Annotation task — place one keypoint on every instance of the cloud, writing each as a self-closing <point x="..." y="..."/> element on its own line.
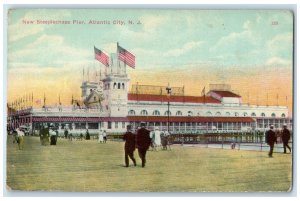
<point x="280" y="44"/>
<point x="17" y="32"/>
<point x="278" y="61"/>
<point x="185" y="49"/>
<point x="47" y="50"/>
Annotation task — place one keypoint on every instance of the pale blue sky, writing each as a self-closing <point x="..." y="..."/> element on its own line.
<point x="166" y="38"/>
<point x="252" y="50"/>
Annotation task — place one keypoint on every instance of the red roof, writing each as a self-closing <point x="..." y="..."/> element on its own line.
<point x="164" y="98"/>
<point x="188" y="119"/>
<point x="226" y="93"/>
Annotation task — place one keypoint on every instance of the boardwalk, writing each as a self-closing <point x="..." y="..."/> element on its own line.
<point x="86" y="166"/>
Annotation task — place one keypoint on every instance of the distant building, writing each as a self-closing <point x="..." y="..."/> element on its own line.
<point x="108" y="103"/>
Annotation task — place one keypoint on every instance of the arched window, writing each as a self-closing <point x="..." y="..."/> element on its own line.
<point x="119" y="86"/>
<point x="131" y="112"/>
<point x="166" y="113"/>
<point x="123" y="86"/>
<point x="273" y="115"/>
<point x="115" y="85"/>
<point x="236" y="114"/>
<point x="156" y="113"/>
<point x="190" y="113"/>
<point x="253" y="114"/>
<point x="218" y="113"/>
<point x="208" y="113"/>
<point x="245" y="114"/>
<point x="144" y="112"/>
<point x="283" y="115"/>
<point x="178" y="113"/>
<point x="227" y="113"/>
<point x="263" y="114"/>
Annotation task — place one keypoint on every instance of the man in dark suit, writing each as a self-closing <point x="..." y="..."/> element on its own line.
<point x="286" y="135"/>
<point x="129" y="139"/>
<point x="271" y="139"/>
<point x="143" y="142"/>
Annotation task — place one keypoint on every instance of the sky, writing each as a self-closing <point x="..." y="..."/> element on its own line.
<point x="252" y="50"/>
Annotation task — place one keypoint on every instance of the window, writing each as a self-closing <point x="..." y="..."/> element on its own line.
<point x="273" y="115"/>
<point x="236" y="114"/>
<point x="115" y="84"/>
<point x="253" y="114"/>
<point x="208" y="113"/>
<point x="92" y="125"/>
<point x="116" y="124"/>
<point x="166" y="113"/>
<point x="190" y="113"/>
<point x="123" y="86"/>
<point x="245" y="114"/>
<point x="119" y="86"/>
<point x="227" y="113"/>
<point x="131" y="112"/>
<point x="123" y="124"/>
<point x="156" y="113"/>
<point x="94" y="98"/>
<point x="178" y="113"/>
<point x="282" y="115"/>
<point x="263" y="114"/>
<point x="218" y="114"/>
<point x="109" y="125"/>
<point x="144" y="112"/>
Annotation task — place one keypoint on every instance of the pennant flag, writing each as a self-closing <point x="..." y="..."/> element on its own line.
<point x="126" y="57"/>
<point x="100" y="56"/>
<point x="38" y="102"/>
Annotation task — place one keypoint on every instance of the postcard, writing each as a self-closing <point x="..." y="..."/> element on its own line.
<point x="149" y="100"/>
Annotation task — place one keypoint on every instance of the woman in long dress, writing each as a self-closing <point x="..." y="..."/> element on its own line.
<point x="100" y="137"/>
<point x="157" y="140"/>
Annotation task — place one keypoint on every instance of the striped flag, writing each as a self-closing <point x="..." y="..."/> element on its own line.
<point x="126" y="57"/>
<point x="100" y="56"/>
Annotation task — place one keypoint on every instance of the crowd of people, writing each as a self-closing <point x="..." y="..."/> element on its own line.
<point x="141" y="139"/>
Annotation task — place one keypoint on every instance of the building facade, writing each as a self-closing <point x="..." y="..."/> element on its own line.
<point x="109" y="104"/>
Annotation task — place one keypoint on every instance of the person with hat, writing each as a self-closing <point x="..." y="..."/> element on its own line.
<point x="129" y="147"/>
<point x="143" y="142"/>
<point x="271" y="139"/>
<point x="52" y="133"/>
<point x="286" y="135"/>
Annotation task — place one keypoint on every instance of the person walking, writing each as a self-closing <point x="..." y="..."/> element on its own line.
<point x="271" y="139"/>
<point x="286" y="135"/>
<point x="143" y="142"/>
<point x="20" y="138"/>
<point x="129" y="147"/>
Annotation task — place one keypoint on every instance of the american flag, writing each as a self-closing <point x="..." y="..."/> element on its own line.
<point x="126" y="57"/>
<point x="102" y="57"/>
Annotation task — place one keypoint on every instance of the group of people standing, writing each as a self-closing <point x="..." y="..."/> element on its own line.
<point x="159" y="138"/>
<point x="48" y="135"/>
<point x="102" y="136"/>
<point x="142" y="140"/>
<point x="271" y="139"/>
